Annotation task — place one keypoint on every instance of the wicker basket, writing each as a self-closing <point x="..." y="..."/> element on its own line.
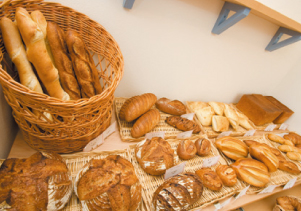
<point x="74" y="123"/>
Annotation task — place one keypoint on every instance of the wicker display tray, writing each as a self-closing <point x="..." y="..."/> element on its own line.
<point x="125" y="127"/>
<point x="278" y="177"/>
<point x="213" y="134"/>
<point x="276" y="145"/>
<point x="151" y="183"/>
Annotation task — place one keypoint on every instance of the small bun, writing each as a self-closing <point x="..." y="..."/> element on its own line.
<point x="203" y="147"/>
<point x="186" y="149"/>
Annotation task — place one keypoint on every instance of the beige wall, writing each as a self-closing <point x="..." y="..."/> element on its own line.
<point x="169" y="50"/>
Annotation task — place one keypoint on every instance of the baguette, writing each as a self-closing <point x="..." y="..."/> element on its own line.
<point x="62" y="60"/>
<point x="232" y="147"/>
<point x="83" y="65"/>
<point x="174" y="107"/>
<point x="183" y="124"/>
<point x="37" y="54"/>
<point x="135" y="106"/>
<point x="145" y="123"/>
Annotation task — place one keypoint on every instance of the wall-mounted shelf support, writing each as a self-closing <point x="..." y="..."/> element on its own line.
<point x="128" y="4"/>
<point x="223" y="22"/>
<point x="275" y="44"/>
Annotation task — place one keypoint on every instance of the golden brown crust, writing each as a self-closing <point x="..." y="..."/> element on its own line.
<point x="183" y="124"/>
<point x="227" y="175"/>
<point x="210" y="179"/>
<point x="145" y="123"/>
<point x="232" y="147"/>
<point x="203" y="146"/>
<point x="186" y="149"/>
<point x="289" y="203"/>
<point x="136" y="106"/>
<point x="155" y="156"/>
<point x="289" y="167"/>
<point x="25" y="182"/>
<point x="62" y="61"/>
<point x="83" y="65"/>
<point x="293" y="137"/>
<point x="174" y="107"/>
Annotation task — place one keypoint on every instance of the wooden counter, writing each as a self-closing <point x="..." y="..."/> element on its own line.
<point x="249" y="202"/>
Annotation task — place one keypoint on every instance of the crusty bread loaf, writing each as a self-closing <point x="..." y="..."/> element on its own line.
<point x="220" y="123"/>
<point x="258" y="109"/>
<point x="135" y="106"/>
<point x="227" y="175"/>
<point x="83" y="65"/>
<point x="174" y="107"/>
<point x="108" y="184"/>
<point x="177" y="193"/>
<point x="39" y="182"/>
<point x="265" y="155"/>
<point x="252" y="172"/>
<point x="37" y="54"/>
<point x="210" y="179"/>
<point x="62" y="61"/>
<point x="203" y="146"/>
<point x="145" y="123"/>
<point x="154" y="156"/>
<point x="186" y="149"/>
<point x="286" y="112"/>
<point x="232" y="147"/>
<point x="183" y="124"/>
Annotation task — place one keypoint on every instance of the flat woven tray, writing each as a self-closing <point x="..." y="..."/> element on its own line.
<point x="276" y="145"/>
<point x="151" y="183"/>
<point x="211" y="133"/>
<point x="278" y="177"/>
<point x="125" y="127"/>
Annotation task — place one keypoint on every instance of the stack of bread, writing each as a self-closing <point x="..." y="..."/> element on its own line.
<point x="61" y="59"/>
<point x="263" y="160"/>
<point x="220" y="116"/>
<point x="289" y="144"/>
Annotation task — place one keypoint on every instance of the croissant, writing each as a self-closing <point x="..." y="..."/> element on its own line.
<point x="183" y="124"/>
<point x="145" y="123"/>
<point x="136" y="106"/>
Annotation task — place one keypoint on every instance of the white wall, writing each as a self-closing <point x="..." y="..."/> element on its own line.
<point x="169" y="50"/>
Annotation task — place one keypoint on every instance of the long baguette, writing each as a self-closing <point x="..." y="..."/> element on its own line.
<point x="37" y="54"/>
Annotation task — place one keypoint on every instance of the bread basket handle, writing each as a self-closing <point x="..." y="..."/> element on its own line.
<point x="12" y="2"/>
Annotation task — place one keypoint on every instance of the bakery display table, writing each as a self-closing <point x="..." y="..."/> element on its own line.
<point x="249" y="202"/>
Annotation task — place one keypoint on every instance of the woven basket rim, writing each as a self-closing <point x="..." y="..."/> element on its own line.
<point x="6" y="78"/>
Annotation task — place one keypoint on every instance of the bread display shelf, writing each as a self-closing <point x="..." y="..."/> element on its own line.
<point x="125" y="127"/>
<point x="278" y="177"/>
<point x="151" y="183"/>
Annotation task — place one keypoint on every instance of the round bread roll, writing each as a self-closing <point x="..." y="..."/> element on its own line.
<point x="227" y="175"/>
<point x="178" y="192"/>
<point x="155" y="156"/>
<point x="108" y="184"/>
<point x="210" y="179"/>
<point x="40" y="182"/>
<point x="186" y="149"/>
<point x="203" y="146"/>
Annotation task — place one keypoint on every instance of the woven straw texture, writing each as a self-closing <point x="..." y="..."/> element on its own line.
<point x="74" y="123"/>
<point x="213" y="134"/>
<point x="125" y="127"/>
<point x="151" y="183"/>
<point x="276" y="145"/>
<point x="278" y="177"/>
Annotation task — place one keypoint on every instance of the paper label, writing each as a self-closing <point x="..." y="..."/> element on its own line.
<point x="188" y="116"/>
<point x="290" y="183"/>
<point x="270" y="127"/>
<point x="227" y="133"/>
<point x="283" y="126"/>
<point x="250" y="133"/>
<point x="218" y="206"/>
<point x="281" y="134"/>
<point x="173" y="171"/>
<point x="185" y="134"/>
<point x="225" y="203"/>
<point x="208" y="162"/>
<point x="155" y="134"/>
<point x="100" y="139"/>
<point x="242" y="193"/>
<point x="268" y="189"/>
